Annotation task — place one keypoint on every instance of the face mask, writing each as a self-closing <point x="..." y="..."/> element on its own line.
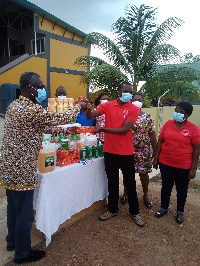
<point x="137" y="103"/>
<point x="126" y="97"/>
<point x="61" y="97"/>
<point x="103" y="101"/>
<point x="41" y="95"/>
<point x="178" y="117"/>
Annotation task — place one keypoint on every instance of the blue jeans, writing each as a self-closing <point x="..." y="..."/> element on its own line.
<point x="113" y="163"/>
<point x="20" y="217"/>
<point x="171" y="175"/>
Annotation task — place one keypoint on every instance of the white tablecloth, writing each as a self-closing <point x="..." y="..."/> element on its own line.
<point x="66" y="191"/>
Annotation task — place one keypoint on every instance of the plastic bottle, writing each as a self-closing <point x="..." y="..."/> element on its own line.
<point x="95" y="151"/>
<point x="54" y="146"/>
<point x="100" y="150"/>
<point x="65" y="144"/>
<point x="46" y="159"/>
<point x="83" y="154"/>
<point x="88" y="152"/>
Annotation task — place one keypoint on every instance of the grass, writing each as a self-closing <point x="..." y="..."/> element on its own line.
<point x="194" y="186"/>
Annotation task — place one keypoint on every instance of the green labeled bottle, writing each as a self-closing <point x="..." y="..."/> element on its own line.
<point x="88" y="152"/>
<point x="83" y="154"/>
<point x="100" y="150"/>
<point x="95" y="151"/>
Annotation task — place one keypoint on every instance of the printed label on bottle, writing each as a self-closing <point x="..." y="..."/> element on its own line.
<point x="49" y="161"/>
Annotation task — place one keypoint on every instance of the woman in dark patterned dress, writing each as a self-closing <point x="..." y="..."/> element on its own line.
<point x="144" y="138"/>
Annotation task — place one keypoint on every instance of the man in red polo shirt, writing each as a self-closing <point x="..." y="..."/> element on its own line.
<point x="120" y="115"/>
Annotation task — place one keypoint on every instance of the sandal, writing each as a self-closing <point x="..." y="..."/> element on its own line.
<point x="124" y="200"/>
<point x="138" y="220"/>
<point x="148" y="204"/>
<point x="106" y="215"/>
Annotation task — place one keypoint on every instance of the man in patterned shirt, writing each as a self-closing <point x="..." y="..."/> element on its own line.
<point x="24" y="127"/>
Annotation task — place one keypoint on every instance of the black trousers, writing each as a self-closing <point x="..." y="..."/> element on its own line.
<point x="171" y="175"/>
<point x="114" y="162"/>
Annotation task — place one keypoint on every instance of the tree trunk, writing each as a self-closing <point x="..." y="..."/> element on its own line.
<point x="135" y="82"/>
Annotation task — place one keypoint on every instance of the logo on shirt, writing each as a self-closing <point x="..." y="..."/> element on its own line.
<point x="125" y="112"/>
<point x="185" y="132"/>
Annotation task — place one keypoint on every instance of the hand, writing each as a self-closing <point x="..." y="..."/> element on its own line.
<point x="85" y="106"/>
<point x="97" y="129"/>
<point x="70" y="130"/>
<point x="155" y="163"/>
<point x="192" y="174"/>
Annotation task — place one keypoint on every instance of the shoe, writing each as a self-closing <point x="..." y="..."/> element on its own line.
<point x="33" y="256"/>
<point x="138" y="220"/>
<point x="160" y="213"/>
<point x="10" y="248"/>
<point x="107" y="215"/>
<point x="124" y="200"/>
<point x="179" y="220"/>
<point x="148" y="204"/>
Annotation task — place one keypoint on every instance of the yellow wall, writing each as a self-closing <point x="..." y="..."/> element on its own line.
<point x="47" y="25"/>
<point x="168" y="114"/>
<point x="64" y="54"/>
<point x="72" y="84"/>
<point x="33" y="64"/>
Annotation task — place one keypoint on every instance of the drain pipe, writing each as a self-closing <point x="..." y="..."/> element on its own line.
<point x="160" y="113"/>
<point x="161" y="97"/>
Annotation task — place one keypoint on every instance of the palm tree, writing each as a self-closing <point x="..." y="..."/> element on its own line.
<point x="140" y="45"/>
<point x="179" y="80"/>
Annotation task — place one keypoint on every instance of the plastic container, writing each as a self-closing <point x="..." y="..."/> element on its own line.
<point x="90" y="140"/>
<point x="65" y="144"/>
<point x="46" y="138"/>
<point x="46" y="159"/>
<point x="59" y="105"/>
<point x="95" y="153"/>
<point x="88" y="152"/>
<point x="80" y="145"/>
<point x="52" y="104"/>
<point x="83" y="154"/>
<point x="100" y="150"/>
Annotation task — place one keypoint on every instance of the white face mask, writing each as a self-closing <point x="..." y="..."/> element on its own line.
<point x="62" y="97"/>
<point x="137" y="103"/>
<point x="104" y="101"/>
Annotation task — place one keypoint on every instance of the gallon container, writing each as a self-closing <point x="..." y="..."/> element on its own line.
<point x="46" y="159"/>
<point x="90" y="140"/>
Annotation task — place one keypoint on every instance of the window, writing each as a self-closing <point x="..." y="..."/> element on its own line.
<point x="3" y="51"/>
<point x="40" y="45"/>
<point x="18" y="50"/>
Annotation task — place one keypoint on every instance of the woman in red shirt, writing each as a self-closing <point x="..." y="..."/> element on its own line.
<point x="177" y="153"/>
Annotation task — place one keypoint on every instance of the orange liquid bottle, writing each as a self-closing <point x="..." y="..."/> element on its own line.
<point x="46" y="159"/>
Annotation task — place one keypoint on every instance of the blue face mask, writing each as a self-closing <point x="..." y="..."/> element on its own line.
<point x="126" y="97"/>
<point x="41" y="95"/>
<point x="178" y="117"/>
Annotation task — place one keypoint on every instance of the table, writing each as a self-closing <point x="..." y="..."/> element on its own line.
<point x="66" y="191"/>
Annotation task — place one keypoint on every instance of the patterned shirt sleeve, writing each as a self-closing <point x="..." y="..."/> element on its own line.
<point x="150" y="123"/>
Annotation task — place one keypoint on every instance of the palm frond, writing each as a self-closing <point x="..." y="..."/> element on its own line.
<point x="109" y="49"/>
<point x="88" y="61"/>
<point x="164" y="32"/>
<point x="159" y="55"/>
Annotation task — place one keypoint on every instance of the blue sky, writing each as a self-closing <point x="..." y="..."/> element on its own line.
<point x="98" y="15"/>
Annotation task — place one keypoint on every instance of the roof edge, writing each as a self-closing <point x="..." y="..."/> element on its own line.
<point x="36" y="9"/>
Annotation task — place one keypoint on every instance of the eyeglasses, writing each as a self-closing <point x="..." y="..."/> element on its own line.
<point x="35" y="87"/>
